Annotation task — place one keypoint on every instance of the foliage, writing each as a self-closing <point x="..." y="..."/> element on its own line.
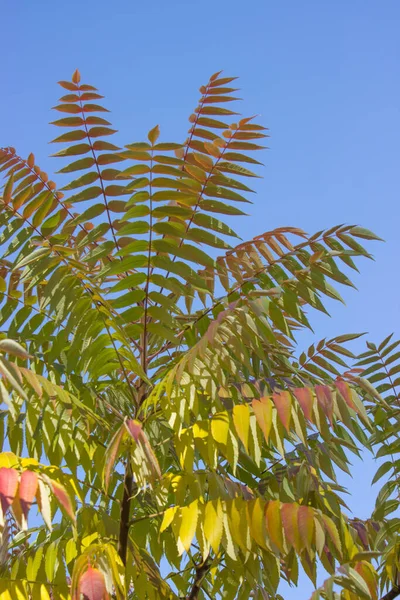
<point x="157" y="409"/>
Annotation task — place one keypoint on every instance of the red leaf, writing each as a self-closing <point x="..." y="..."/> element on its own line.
<point x="134" y="428"/>
<point x="305" y="398"/>
<point x="283" y="403"/>
<point x="8" y="487"/>
<point x="325" y="400"/>
<point x="27" y="490"/>
<point x="345" y="392"/>
<point x="92" y="585"/>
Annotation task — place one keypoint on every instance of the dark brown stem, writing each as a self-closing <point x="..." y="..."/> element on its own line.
<point x="394" y="593"/>
<point x="125" y="510"/>
<point x="201" y="572"/>
<point x="103" y="191"/>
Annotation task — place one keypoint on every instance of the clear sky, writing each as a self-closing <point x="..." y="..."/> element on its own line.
<point x="324" y="76"/>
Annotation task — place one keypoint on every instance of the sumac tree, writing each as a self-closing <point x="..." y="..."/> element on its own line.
<point x="158" y="413"/>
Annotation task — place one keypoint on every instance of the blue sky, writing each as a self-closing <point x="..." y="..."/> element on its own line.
<point x="323" y="75"/>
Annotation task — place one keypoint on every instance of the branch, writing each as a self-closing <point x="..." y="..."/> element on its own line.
<point x="103" y="191"/>
<point x="201" y="572"/>
<point x="125" y="510"/>
<point x="394" y="593"/>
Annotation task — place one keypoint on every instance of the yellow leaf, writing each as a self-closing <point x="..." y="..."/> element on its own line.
<point x="238" y="523"/>
<point x="19" y="590"/>
<point x="319" y="537"/>
<point x="274" y="524"/>
<point x="44" y="594"/>
<point x="220" y="427"/>
<point x="8" y="459"/>
<point x="349" y="544"/>
<point x="263" y="411"/>
<point x="39" y="592"/>
<point x="227" y="538"/>
<point x="189" y="515"/>
<point x="213" y="525"/>
<point x="256" y="511"/>
<point x="168" y="518"/>
<point x="5" y="591"/>
<point x="241" y="420"/>
<point x="200" y="430"/>
<point x="204" y="546"/>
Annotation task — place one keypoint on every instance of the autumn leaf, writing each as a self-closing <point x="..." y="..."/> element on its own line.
<point x="27" y="491"/>
<point x="8" y="489"/>
<point x="92" y="585"/>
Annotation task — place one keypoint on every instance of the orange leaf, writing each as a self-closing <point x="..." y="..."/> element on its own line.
<point x="76" y="77"/>
<point x="27" y="491"/>
<point x="283" y="404"/>
<point x="92" y="585"/>
<point x="367" y="572"/>
<point x="153" y="135"/>
<point x="215" y="76"/>
<point x="241" y="420"/>
<point x="263" y="411"/>
<point x="305" y="398"/>
<point x="289" y="514"/>
<point x="345" y="392"/>
<point x="325" y="400"/>
<point x="306" y="525"/>
<point x="8" y="487"/>
<point x="68" y="85"/>
<point x="62" y="497"/>
<point x="212" y="149"/>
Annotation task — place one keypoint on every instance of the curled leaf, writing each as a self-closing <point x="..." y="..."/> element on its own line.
<point x="43" y="500"/>
<point x="14" y="348"/>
